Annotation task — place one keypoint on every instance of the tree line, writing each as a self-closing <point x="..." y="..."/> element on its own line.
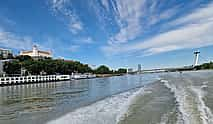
<point x="204" y="66"/>
<point x="53" y="66"/>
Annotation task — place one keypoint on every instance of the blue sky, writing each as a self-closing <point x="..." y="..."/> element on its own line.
<point x="118" y="33"/>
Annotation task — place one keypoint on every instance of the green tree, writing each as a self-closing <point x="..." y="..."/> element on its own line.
<point x="121" y="71"/>
<point x="22" y="58"/>
<point x="205" y="66"/>
<point x="46" y="65"/>
<point x="103" y="70"/>
<point x="12" y="67"/>
<point x="10" y="56"/>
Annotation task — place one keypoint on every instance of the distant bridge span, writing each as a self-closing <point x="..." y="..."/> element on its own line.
<point x="167" y="69"/>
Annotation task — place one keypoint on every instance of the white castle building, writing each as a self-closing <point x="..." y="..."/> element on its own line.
<point x="35" y="53"/>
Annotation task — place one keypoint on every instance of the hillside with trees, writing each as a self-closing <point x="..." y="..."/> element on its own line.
<point x="50" y="66"/>
<point x="205" y="66"/>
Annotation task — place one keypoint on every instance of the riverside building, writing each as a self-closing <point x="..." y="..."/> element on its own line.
<point x="5" y="53"/>
<point x="139" y="68"/>
<point x="36" y="53"/>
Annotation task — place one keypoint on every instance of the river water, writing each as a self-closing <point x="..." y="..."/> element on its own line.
<point x="167" y="98"/>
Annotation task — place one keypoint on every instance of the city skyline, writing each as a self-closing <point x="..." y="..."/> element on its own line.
<point x="119" y="33"/>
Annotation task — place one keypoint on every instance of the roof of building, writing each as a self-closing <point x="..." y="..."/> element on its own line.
<point x="45" y="52"/>
<point x="26" y="51"/>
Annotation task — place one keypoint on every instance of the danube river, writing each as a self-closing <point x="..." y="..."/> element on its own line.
<point x="167" y="98"/>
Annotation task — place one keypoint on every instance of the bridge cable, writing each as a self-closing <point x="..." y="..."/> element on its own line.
<point x="205" y="59"/>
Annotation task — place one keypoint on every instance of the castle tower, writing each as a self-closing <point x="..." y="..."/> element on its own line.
<point x="35" y="51"/>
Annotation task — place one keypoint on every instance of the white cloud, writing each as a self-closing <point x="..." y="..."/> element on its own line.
<point x="74" y="48"/>
<point x="64" y="8"/>
<point x="196" y="32"/>
<point x="83" y="41"/>
<point x="7" y="20"/>
<point x="128" y="14"/>
<point x="199" y="16"/>
<point x="191" y="36"/>
<point x="106" y="3"/>
<point x="135" y="17"/>
<point x="166" y="14"/>
<point x="10" y="40"/>
<point x="75" y="26"/>
<point x="87" y="40"/>
<point x="58" y="4"/>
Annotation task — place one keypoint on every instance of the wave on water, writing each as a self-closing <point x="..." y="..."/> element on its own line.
<point x="108" y="111"/>
<point x="206" y="114"/>
<point x="190" y="103"/>
<point x="182" y="117"/>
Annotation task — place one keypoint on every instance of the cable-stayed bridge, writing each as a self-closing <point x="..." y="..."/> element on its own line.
<point x="185" y="68"/>
<point x="158" y="70"/>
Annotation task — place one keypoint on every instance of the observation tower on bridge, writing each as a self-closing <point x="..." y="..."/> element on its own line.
<point x="196" y="59"/>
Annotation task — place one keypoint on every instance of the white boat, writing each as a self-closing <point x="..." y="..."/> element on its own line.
<point x="83" y="76"/>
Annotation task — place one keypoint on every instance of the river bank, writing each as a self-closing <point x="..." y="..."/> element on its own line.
<point x="108" y="75"/>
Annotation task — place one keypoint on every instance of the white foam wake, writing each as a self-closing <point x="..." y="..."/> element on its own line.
<point x="107" y="111"/>
<point x="185" y="104"/>
<point x="179" y="95"/>
<point x="206" y="114"/>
